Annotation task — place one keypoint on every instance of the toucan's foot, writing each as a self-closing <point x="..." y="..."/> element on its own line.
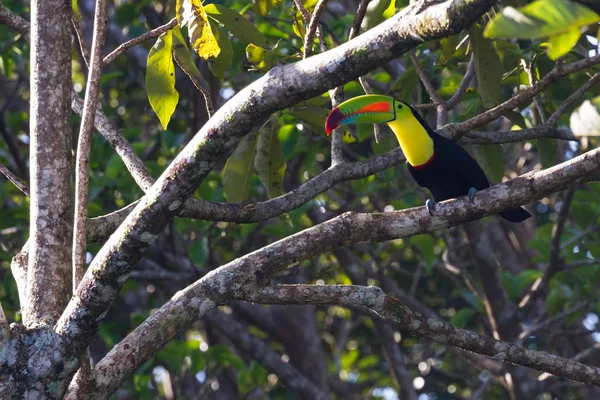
<point x="471" y="194"/>
<point x="430" y="205"/>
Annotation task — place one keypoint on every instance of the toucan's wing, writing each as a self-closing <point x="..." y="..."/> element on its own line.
<point x="460" y="164"/>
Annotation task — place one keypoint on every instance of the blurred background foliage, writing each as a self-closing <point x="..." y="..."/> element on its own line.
<point x="341" y="350"/>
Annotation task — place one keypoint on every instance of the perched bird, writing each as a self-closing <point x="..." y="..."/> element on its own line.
<point x="436" y="163"/>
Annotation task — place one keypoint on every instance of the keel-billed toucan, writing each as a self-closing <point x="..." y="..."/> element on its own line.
<point x="436" y="163"/>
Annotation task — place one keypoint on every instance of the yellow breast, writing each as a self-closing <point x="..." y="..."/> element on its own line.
<point x="414" y="140"/>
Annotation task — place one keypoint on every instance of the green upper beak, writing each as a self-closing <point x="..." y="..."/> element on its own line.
<point x="367" y="109"/>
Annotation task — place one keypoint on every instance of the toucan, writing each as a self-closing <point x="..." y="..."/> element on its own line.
<point x="435" y="162"/>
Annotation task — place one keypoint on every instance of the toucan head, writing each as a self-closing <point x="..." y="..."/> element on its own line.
<point x="367" y="109"/>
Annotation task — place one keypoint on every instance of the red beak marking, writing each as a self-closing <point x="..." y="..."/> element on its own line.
<point x="336" y="115"/>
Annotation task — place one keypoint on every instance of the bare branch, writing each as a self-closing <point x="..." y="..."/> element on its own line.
<point x="48" y="273"/>
<point x="85" y="142"/>
<point x="569" y="100"/>
<point x="13" y="178"/>
<point x="559" y="71"/>
<point x="464" y="85"/>
<point x="14" y="21"/>
<point x="81" y="39"/>
<point x="312" y="27"/>
<point x="425" y="326"/>
<point x="140" y="39"/>
<point x="235" y="279"/>
<point x="264" y="354"/>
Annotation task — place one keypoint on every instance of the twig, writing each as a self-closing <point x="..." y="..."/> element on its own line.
<point x="569" y="100"/>
<point x="559" y="71"/>
<point x="81" y="39"/>
<point x="14" y="21"/>
<point x="540" y="283"/>
<point x="311" y="30"/>
<point x="531" y="330"/>
<point x="135" y="41"/>
<point x="82" y="163"/>
<point x="84" y="143"/>
<point x="207" y="98"/>
<point x="442" y="113"/>
<point x="579" y="236"/>
<point x="13" y="178"/>
<point x="464" y="85"/>
<point x="360" y="15"/>
<point x="264" y="354"/>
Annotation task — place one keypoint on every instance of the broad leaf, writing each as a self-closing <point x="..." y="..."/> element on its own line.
<point x="239" y="26"/>
<point x="462" y="317"/>
<point x="491" y="159"/>
<point x="160" y="79"/>
<point x="221" y="64"/>
<point x="487" y="67"/>
<point x="184" y="58"/>
<point x="585" y="120"/>
<point x="239" y="169"/>
<point x="547" y="151"/>
<point x="561" y="20"/>
<point x="374" y="15"/>
<point x="269" y="161"/>
<point x="191" y="13"/>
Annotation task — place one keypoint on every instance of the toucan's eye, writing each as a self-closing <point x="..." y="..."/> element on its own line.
<point x="399" y="106"/>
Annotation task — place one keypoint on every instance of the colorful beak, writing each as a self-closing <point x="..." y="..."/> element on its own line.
<point x="367" y="109"/>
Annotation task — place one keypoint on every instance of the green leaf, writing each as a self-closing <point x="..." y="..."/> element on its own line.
<point x="585" y="120"/>
<point x="239" y="26"/>
<point x="199" y="251"/>
<point x="315" y="118"/>
<point x="491" y="159"/>
<point x="547" y="150"/>
<point x="462" y="317"/>
<point x="269" y="162"/>
<point x="526" y="278"/>
<point x="561" y="20"/>
<point x="488" y="67"/>
<point x="160" y="79"/>
<point x="239" y="169"/>
<point x="542" y="18"/>
<point x="426" y="247"/>
<point x="184" y="58"/>
<point x="563" y="43"/>
<point x="374" y="15"/>
<point x="405" y="85"/>
<point x="221" y="64"/>
<point x="190" y="13"/>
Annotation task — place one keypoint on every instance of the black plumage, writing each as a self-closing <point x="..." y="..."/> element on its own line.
<point x="452" y="172"/>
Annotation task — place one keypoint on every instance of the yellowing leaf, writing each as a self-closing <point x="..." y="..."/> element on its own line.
<point x="374" y="15"/>
<point x="239" y="169"/>
<point x="184" y="58"/>
<point x="160" y="79"/>
<point x="269" y="161"/>
<point x="239" y="26"/>
<point x="298" y="25"/>
<point x="263" y="6"/>
<point x="191" y="13"/>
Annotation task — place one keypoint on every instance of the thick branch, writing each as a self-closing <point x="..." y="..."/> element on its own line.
<point x="425" y="326"/>
<point x="48" y="273"/>
<point x="230" y="280"/>
<point x="278" y="89"/>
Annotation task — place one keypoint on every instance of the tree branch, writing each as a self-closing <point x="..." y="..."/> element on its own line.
<point x="231" y="280"/>
<point x="281" y="87"/>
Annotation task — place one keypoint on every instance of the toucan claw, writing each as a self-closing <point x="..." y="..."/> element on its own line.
<point x="430" y="205"/>
<point x="471" y="194"/>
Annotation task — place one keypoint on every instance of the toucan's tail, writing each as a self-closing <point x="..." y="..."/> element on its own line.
<point x="515" y="214"/>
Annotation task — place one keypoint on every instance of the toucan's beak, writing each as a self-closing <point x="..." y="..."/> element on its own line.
<point x="367" y="109"/>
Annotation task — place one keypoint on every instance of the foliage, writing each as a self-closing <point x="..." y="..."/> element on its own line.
<point x="234" y="43"/>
